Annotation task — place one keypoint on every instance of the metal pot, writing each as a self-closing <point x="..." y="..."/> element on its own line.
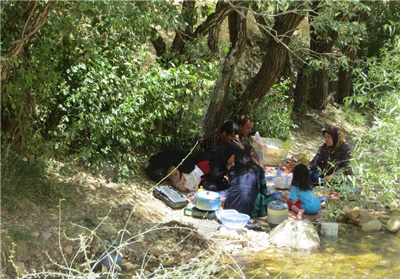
<point x="208" y="201"/>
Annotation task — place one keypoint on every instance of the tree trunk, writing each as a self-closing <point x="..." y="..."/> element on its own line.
<point x="319" y="88"/>
<point x="216" y="110"/>
<point x="273" y="62"/>
<point x="319" y="84"/>
<point x="301" y="90"/>
<point x="344" y="85"/>
<point x="32" y="25"/>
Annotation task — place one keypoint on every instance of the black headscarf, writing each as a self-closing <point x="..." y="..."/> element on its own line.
<point x="224" y="150"/>
<point x="244" y="163"/>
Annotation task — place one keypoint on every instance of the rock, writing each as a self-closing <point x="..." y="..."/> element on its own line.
<point x="68" y="250"/>
<point x="129" y="266"/>
<point x="372" y="226"/>
<point x="393" y="225"/>
<point x="20" y="268"/>
<point x="295" y="234"/>
<point x="108" y="229"/>
<point x="35" y="234"/>
<point x="45" y="235"/>
<point x="366" y="217"/>
<point x="354" y="213"/>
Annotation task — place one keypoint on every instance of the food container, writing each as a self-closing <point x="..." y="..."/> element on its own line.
<point x="329" y="229"/>
<point x="233" y="220"/>
<point x="278" y="211"/>
<point x="207" y="200"/>
<point x="280" y="183"/>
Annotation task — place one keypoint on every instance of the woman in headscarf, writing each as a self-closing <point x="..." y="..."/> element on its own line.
<point x="332" y="158"/>
<point x="248" y="186"/>
<point x="214" y="166"/>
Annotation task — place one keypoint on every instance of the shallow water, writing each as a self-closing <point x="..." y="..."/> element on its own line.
<point x="352" y="254"/>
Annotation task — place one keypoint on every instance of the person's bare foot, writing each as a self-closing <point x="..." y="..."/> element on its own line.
<point x="300" y="214"/>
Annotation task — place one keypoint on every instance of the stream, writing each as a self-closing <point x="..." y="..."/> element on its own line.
<point x="352" y="254"/>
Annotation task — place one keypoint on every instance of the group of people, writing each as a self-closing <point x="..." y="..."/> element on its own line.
<point x="230" y="162"/>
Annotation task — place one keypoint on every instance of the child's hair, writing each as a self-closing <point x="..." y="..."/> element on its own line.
<point x="301" y="177"/>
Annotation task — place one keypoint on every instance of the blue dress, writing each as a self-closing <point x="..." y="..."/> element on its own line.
<point x="309" y="200"/>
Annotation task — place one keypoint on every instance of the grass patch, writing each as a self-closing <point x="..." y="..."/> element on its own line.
<point x="28" y="180"/>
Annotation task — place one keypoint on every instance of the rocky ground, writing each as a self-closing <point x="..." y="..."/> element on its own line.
<point x="98" y="212"/>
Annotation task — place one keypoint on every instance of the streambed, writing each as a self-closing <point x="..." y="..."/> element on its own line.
<point x="352" y="254"/>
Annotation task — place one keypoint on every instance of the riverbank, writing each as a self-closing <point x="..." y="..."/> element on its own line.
<point x="96" y="211"/>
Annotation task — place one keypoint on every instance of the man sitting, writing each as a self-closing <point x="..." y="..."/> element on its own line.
<point x="227" y="132"/>
<point x="245" y="124"/>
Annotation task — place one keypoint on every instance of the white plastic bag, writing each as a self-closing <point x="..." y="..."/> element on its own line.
<point x="193" y="179"/>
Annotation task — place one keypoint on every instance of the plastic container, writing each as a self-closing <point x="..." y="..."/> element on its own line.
<point x="329" y="229"/>
<point x="201" y="189"/>
<point x="278" y="211"/>
<point x="220" y="212"/>
<point x="234" y="221"/>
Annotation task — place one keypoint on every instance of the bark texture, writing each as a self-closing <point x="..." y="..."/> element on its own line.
<point x="216" y="110"/>
<point x="273" y="61"/>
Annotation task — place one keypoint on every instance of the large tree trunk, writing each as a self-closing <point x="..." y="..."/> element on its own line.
<point x="319" y="84"/>
<point x="273" y="61"/>
<point x="344" y="85"/>
<point x="319" y="88"/>
<point x="301" y="89"/>
<point x="216" y="110"/>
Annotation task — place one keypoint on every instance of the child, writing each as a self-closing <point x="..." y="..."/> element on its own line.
<point x="302" y="198"/>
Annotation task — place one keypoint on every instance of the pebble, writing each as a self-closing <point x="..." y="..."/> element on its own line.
<point x="45" y="235"/>
<point x="35" y="234"/>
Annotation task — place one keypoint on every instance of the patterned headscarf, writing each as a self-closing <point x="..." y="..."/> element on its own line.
<point x="337" y="138"/>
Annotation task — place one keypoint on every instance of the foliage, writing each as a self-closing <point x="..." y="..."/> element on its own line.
<point x="90" y="89"/>
<point x="273" y="116"/>
<point x="376" y="155"/>
<point x="379" y="15"/>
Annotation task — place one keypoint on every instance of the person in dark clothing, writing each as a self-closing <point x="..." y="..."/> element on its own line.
<point x="332" y="158"/>
<point x="227" y="132"/>
<point x="215" y="164"/>
<point x="248" y="190"/>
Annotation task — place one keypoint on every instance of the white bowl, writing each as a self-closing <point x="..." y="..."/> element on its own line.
<point x="234" y="220"/>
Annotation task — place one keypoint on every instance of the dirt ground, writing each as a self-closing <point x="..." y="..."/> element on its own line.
<point x="98" y="211"/>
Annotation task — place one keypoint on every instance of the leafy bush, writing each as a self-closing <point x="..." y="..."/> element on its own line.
<point x="376" y="155"/>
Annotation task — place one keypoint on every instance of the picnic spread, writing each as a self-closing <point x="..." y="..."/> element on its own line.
<point x="188" y="193"/>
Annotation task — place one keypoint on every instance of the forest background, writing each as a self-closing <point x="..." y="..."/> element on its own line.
<point x="103" y="83"/>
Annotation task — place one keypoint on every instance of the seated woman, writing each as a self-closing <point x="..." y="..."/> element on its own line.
<point x="332" y="156"/>
<point x="214" y="166"/>
<point x="248" y="186"/>
<point x="302" y="198"/>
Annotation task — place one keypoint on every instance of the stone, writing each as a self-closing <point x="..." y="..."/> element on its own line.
<point x="108" y="229"/>
<point x="45" y="235"/>
<point x="20" y="268"/>
<point x="68" y="250"/>
<point x="393" y="225"/>
<point x="366" y="217"/>
<point x="295" y="234"/>
<point x="354" y="213"/>
<point x="35" y="234"/>
<point x="372" y="226"/>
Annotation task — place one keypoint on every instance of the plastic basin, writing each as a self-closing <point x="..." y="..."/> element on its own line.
<point x="232" y="220"/>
